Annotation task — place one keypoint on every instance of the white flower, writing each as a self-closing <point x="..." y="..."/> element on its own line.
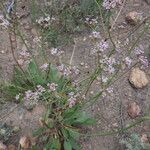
<point x="61" y="67"/>
<point x="102" y="46"/>
<point x="75" y="70"/>
<point x="71" y="94"/>
<point x="111" y="69"/>
<point x="54" y="51"/>
<point x="144" y="61"/>
<point x="52" y="86"/>
<point x="108" y="4"/>
<point x="44" y="66"/>
<point x="67" y="72"/>
<point x="128" y="61"/>
<point x="109" y="90"/>
<point x="28" y="94"/>
<point x="72" y="102"/>
<point x="95" y="34"/>
<point x="104" y="79"/>
<point x="47" y="19"/>
<point x="24" y="53"/>
<point x="17" y="97"/>
<point x="40" y="89"/>
<point x="139" y="50"/>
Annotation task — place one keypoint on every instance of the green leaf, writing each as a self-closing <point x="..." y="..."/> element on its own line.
<point x="67" y="145"/>
<point x="54" y="75"/>
<point x="35" y="148"/>
<point x="89" y="121"/>
<point x="71" y="113"/>
<point x="84" y="119"/>
<point x="35" y="73"/>
<point x="75" y="145"/>
<point x="39" y="131"/>
<point x="65" y="133"/>
<point x="54" y="144"/>
<point x="73" y="133"/>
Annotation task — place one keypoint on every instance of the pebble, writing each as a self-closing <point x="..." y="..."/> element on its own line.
<point x="138" y="78"/>
<point x="11" y="147"/>
<point x="24" y="142"/>
<point x="133" y="18"/>
<point x="144" y="138"/>
<point x="134" y="110"/>
<point x="2" y="146"/>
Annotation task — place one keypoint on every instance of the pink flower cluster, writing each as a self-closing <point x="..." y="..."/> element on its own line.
<point x="108" y="4"/>
<point x="66" y="71"/>
<point x="56" y="52"/>
<point x="91" y="21"/>
<point x="31" y="98"/>
<point x="45" y="21"/>
<point x="44" y="67"/>
<point x="108" y="64"/>
<point x="52" y="86"/>
<point x="72" y="101"/>
<point x="24" y="57"/>
<point x="95" y="35"/>
<point x="128" y="61"/>
<point x="139" y="51"/>
<point x="101" y="46"/>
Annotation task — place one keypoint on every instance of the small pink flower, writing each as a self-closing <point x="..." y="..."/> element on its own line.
<point x="40" y="89"/>
<point x="72" y="102"/>
<point x="110" y="90"/>
<point x="103" y="45"/>
<point x="52" y="86"/>
<point x="144" y="61"/>
<point x="139" y="50"/>
<point x="44" y="67"/>
<point x="108" y="4"/>
<point x="95" y="34"/>
<point x="128" y="61"/>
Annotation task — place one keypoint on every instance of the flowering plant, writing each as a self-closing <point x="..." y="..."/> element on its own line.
<point x="60" y="126"/>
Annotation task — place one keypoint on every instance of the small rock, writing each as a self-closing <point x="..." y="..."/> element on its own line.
<point x="20" y="62"/>
<point x="2" y="146"/>
<point x="24" y="142"/>
<point x="91" y="92"/>
<point x="144" y="138"/>
<point x="115" y="125"/>
<point x="11" y="147"/>
<point x="134" y="110"/>
<point x="2" y="51"/>
<point x="138" y="78"/>
<point x="82" y="63"/>
<point x="16" y="129"/>
<point x="133" y="18"/>
<point x="2" y="131"/>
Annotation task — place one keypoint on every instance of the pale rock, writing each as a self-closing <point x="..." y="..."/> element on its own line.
<point x="2" y="146"/>
<point x="133" y="18"/>
<point x="138" y="78"/>
<point x="144" y="138"/>
<point x="24" y="142"/>
<point x="134" y="110"/>
<point x="11" y="147"/>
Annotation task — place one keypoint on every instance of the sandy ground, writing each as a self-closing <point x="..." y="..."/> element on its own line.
<point x="108" y="111"/>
